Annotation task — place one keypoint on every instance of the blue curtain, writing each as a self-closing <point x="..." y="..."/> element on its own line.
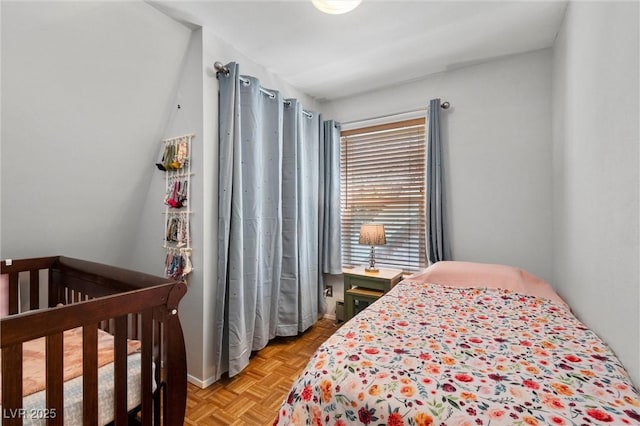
<point x="331" y="228"/>
<point x="270" y="186"/>
<point x="299" y="290"/>
<point x="437" y="242"/>
<point x="249" y="217"/>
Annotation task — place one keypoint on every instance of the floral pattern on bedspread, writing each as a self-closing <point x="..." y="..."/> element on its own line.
<point x="429" y="354"/>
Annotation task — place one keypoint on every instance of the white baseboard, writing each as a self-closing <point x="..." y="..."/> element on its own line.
<point x="201" y="384"/>
<point x="330" y="316"/>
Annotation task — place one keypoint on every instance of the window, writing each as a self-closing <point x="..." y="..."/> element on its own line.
<point x="382" y="170"/>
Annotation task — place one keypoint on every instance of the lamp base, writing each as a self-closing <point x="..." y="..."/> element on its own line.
<point x="372" y="261"/>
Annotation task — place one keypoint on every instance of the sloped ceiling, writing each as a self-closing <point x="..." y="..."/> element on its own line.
<point x="381" y="43"/>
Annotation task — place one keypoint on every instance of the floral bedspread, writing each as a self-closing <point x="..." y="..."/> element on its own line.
<point x="428" y="354"/>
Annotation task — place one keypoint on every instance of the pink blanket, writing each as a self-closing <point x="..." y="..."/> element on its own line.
<point x="487" y="275"/>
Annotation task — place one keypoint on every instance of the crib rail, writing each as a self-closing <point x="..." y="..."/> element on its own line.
<point x="132" y="304"/>
<point x="33" y="268"/>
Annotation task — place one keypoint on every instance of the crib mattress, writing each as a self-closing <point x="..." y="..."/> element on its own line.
<point x="35" y="412"/>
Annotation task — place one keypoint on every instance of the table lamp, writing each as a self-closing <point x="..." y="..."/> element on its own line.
<point x="372" y="234"/>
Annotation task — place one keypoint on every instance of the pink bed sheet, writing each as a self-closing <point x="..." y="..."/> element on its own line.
<point x="475" y="275"/>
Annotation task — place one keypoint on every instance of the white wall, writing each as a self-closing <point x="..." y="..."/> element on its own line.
<point x="86" y="89"/>
<point x="148" y="253"/>
<point x="90" y="89"/>
<point x="498" y="155"/>
<point x="595" y="168"/>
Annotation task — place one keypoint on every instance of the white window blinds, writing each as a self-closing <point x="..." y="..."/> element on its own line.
<point x="383" y="180"/>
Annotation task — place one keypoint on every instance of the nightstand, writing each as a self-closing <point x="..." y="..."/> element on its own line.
<point x="362" y="288"/>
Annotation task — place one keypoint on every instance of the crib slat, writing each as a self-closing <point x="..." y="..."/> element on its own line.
<point x="90" y="374"/>
<point x="52" y="294"/>
<point x="34" y="289"/>
<point x="13" y="293"/>
<point x="157" y="357"/>
<point x="120" y="371"/>
<point x="134" y="327"/>
<point x="55" y="380"/>
<point x="146" y="360"/>
<point x="12" y="385"/>
<point x="57" y="293"/>
<point x="158" y="346"/>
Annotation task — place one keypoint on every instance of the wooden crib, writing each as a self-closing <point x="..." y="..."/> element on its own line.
<point x="124" y="303"/>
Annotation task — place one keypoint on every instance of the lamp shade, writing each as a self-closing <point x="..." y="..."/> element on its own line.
<point x="372" y="234"/>
<point x="336" y="7"/>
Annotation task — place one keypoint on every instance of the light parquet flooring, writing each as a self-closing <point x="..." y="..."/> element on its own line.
<point x="254" y="396"/>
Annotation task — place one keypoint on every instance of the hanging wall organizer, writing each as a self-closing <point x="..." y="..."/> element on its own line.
<point x="176" y="162"/>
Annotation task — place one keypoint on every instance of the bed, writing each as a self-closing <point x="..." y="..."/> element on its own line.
<point x="464" y="344"/>
<point x="87" y="343"/>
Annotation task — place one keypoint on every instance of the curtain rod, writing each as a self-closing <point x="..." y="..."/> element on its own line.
<point x="444" y="105"/>
<point x="220" y="68"/>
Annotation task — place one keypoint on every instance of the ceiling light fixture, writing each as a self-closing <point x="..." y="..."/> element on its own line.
<point x="336" y="7"/>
